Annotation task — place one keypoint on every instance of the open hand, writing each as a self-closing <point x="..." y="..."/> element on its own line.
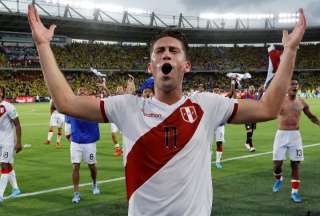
<point x="40" y="34"/>
<point x="293" y="39"/>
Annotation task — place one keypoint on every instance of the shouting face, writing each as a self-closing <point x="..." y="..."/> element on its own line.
<point x="168" y="50"/>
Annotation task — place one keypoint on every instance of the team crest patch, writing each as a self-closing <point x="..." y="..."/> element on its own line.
<point x="189" y="114"/>
<point x="2" y="110"/>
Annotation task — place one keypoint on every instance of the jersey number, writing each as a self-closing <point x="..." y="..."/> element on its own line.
<point x="299" y="152"/>
<point x="170" y="137"/>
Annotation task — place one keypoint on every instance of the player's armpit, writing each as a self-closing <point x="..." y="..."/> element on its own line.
<point x="251" y="111"/>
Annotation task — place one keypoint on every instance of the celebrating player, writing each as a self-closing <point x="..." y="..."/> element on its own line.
<point x="83" y="136"/>
<point x="56" y="121"/>
<point x="10" y="142"/>
<point x="288" y="139"/>
<point x="167" y="157"/>
<point x="250" y="127"/>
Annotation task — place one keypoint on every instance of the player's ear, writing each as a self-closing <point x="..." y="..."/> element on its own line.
<point x="187" y="66"/>
<point x="149" y="68"/>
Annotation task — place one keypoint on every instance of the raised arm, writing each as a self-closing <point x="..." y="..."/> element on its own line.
<point x="232" y="90"/>
<point x="131" y="87"/>
<point x="104" y="87"/>
<point x="313" y="118"/>
<point x="60" y="91"/>
<point x="269" y="105"/>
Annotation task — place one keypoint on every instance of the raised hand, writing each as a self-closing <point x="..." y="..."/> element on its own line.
<point x="293" y="39"/>
<point x="40" y="34"/>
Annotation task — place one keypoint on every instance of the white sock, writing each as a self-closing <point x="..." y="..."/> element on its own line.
<point x="50" y="134"/>
<point x="3" y="183"/>
<point x="58" y="139"/>
<point x="13" y="179"/>
<point x="218" y="156"/>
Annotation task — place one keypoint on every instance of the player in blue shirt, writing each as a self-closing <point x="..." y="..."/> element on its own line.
<point x="83" y="136"/>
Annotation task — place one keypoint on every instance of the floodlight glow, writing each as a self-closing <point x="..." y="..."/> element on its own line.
<point x="288" y="15"/>
<point x="288" y="20"/>
<point x="112" y="8"/>
<point x="231" y="16"/>
<point x="136" y="11"/>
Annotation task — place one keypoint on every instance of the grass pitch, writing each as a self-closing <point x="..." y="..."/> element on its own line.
<point x="242" y="187"/>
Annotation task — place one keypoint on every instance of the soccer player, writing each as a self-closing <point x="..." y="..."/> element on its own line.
<point x="56" y="120"/>
<point x="10" y="141"/>
<point x="168" y="138"/>
<point x="219" y="132"/>
<point x="83" y="136"/>
<point x="250" y="127"/>
<point x="147" y="88"/>
<point x="288" y="139"/>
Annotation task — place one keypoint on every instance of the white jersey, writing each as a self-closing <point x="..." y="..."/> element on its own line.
<point x="167" y="151"/>
<point x="7" y="129"/>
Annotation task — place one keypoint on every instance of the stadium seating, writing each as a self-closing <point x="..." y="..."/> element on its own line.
<point x="210" y="61"/>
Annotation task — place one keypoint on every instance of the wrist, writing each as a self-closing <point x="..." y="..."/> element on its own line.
<point x="288" y="53"/>
<point x="42" y="45"/>
<point x="288" y="48"/>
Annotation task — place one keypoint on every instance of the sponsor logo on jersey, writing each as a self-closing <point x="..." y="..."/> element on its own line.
<point x="188" y="114"/>
<point x="151" y="115"/>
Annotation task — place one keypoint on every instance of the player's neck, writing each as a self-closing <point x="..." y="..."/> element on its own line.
<point x="168" y="98"/>
<point x="292" y="97"/>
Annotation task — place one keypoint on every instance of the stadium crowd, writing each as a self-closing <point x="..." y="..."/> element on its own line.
<point x="212" y="62"/>
<point x="98" y="55"/>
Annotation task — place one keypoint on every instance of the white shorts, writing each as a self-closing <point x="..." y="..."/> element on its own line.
<point x="6" y="153"/>
<point x="114" y="128"/>
<point x="85" y="152"/>
<point x="56" y="120"/>
<point x="288" y="142"/>
<point x="219" y="134"/>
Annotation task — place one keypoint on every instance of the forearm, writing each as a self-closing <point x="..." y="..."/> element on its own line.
<point x="273" y="98"/>
<point x="58" y="87"/>
<point x="18" y="134"/>
<point x="315" y="120"/>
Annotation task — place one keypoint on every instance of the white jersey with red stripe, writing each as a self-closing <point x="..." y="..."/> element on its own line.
<point x="7" y="130"/>
<point x="167" y="150"/>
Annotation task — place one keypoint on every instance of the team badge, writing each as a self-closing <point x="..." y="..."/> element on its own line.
<point x="189" y="114"/>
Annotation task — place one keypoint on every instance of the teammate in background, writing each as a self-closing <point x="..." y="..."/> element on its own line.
<point x="130" y="89"/>
<point x="219" y="131"/>
<point x="10" y="141"/>
<point x="168" y="137"/>
<point x="147" y="88"/>
<point x="288" y="139"/>
<point x="56" y="121"/>
<point x="83" y="136"/>
<point x="250" y="127"/>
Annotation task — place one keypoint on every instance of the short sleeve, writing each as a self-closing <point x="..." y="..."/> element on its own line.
<point x="218" y="109"/>
<point x="12" y="112"/>
<point x="119" y="109"/>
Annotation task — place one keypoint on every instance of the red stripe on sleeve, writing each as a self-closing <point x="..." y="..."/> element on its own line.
<point x="103" y="112"/>
<point x="234" y="112"/>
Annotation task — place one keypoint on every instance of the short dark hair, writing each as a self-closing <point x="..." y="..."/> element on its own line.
<point x="171" y="32"/>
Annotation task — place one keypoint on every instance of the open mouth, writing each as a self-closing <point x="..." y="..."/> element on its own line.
<point x="166" y="68"/>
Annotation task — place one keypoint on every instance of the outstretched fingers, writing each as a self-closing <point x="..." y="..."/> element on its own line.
<point x="31" y="17"/>
<point x="302" y="23"/>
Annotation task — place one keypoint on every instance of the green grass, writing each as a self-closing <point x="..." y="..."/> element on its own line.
<point x="242" y="187"/>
